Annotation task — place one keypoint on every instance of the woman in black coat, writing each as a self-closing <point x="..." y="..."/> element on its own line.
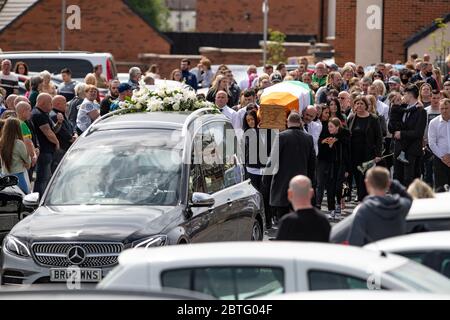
<point x="366" y="141"/>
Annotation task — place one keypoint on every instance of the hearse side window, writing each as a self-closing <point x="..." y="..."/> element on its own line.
<point x="233" y="168"/>
<point x="212" y="155"/>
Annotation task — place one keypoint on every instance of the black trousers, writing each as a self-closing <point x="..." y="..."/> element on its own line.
<point x="406" y="173"/>
<point x="256" y="180"/>
<point x="358" y="176"/>
<point x="330" y="176"/>
<point x="387" y="162"/>
<point x="281" y="211"/>
<point x="266" y="181"/>
<point x="441" y="174"/>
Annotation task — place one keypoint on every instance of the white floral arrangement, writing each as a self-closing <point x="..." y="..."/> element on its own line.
<point x="164" y="98"/>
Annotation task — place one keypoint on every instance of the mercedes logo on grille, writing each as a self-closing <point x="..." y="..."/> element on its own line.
<point x="76" y="255"/>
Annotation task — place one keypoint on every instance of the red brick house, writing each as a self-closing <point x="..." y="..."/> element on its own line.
<point x="341" y="23"/>
<point x="106" y="26"/>
<point x="400" y="20"/>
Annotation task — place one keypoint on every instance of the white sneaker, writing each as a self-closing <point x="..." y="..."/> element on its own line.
<point x="331" y="215"/>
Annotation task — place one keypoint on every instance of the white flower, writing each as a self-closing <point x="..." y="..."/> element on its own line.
<point x="154" y="107"/>
<point x="176" y="107"/>
<point x="123" y="105"/>
<point x="142" y="100"/>
<point x="139" y="106"/>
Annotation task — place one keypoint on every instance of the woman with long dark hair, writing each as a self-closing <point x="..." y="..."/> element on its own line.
<point x="36" y="88"/>
<point x="14" y="155"/>
<point x="253" y="144"/>
<point x="323" y="155"/>
<point x="333" y="165"/>
<point x="335" y="110"/>
<point x="21" y="68"/>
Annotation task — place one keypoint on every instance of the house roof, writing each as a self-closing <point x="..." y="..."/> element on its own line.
<point x="425" y="32"/>
<point x="146" y="20"/>
<point x="10" y="10"/>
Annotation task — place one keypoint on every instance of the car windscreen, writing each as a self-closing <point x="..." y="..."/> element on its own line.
<point x="125" y="167"/>
<point x="79" y="67"/>
<point x="421" y="278"/>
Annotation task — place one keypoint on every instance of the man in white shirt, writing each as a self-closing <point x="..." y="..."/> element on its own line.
<point x="439" y="142"/>
<point x="382" y="108"/>
<point x="221" y="102"/>
<point x="312" y="127"/>
<point x="8" y="80"/>
<point x="432" y="112"/>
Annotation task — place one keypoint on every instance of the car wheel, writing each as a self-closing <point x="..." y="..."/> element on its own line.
<point x="256" y="232"/>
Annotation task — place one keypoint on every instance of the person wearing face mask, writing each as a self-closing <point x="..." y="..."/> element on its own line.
<point x="405" y="77"/>
<point x="425" y="74"/>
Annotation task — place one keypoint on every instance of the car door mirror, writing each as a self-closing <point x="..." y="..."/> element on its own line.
<point x="8" y="181"/>
<point x="31" y="200"/>
<point x="200" y="200"/>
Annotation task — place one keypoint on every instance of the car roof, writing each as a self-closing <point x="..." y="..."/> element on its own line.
<point x="414" y="242"/>
<point x="435" y="208"/>
<point x="356" y="295"/>
<point x="149" y="120"/>
<point x="236" y="253"/>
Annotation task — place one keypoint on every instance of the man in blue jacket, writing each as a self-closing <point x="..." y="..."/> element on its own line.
<point x="188" y="77"/>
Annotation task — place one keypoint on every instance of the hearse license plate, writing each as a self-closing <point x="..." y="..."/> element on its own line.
<point x="75" y="274"/>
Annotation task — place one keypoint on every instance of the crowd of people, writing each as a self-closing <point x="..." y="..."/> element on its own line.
<point x="384" y="117"/>
<point x="396" y="119"/>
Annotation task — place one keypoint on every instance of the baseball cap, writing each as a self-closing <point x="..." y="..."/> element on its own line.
<point x="276" y="78"/>
<point x="333" y="66"/>
<point x="124" y="87"/>
<point x="394" y="79"/>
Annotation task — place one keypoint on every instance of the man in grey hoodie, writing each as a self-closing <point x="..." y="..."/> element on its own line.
<point x="380" y="215"/>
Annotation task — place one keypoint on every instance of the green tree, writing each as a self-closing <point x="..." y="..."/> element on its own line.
<point x="275" y="47"/>
<point x="155" y="11"/>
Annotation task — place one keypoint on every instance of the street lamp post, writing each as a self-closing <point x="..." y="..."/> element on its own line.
<point x="63" y="24"/>
<point x="265" y="10"/>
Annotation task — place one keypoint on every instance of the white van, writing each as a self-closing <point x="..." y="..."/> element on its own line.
<point x="80" y="63"/>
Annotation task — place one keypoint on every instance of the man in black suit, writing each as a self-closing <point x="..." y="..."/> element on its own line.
<point x="306" y="223"/>
<point x="410" y="138"/>
<point x="293" y="154"/>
